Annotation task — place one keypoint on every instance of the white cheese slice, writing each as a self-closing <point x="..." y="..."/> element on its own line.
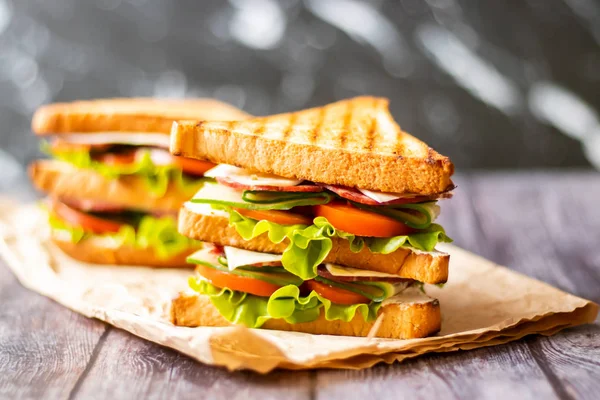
<point x="247" y="178"/>
<point x="239" y="257"/>
<point x="382" y="197"/>
<point x="204" y="209"/>
<point x="216" y="191"/>
<point x="410" y="295"/>
<point x="338" y="270"/>
<point x="133" y="138"/>
<point x="161" y="157"/>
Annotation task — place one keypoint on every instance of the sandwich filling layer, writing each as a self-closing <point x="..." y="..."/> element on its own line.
<point x="309" y="215"/>
<point x="110" y="226"/>
<point x="250" y="288"/>
<point x="154" y="164"/>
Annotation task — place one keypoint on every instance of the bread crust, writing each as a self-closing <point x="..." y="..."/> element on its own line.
<point x="421" y="266"/>
<point x="62" y="180"/>
<point x="134" y="115"/>
<point x="87" y="250"/>
<point x="399" y="321"/>
<point x="353" y="143"/>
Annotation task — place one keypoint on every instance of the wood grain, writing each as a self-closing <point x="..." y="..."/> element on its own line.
<point x="558" y="233"/>
<point x="545" y="226"/>
<point x="44" y="347"/>
<point x="129" y="367"/>
<point x="542" y="225"/>
<point x="573" y="358"/>
<point x="488" y="373"/>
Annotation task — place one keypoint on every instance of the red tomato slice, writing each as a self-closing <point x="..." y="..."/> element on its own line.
<point x="192" y="166"/>
<point x="335" y="294"/>
<point x="278" y="217"/>
<point x="235" y="282"/>
<point x="125" y="158"/>
<point x="359" y="222"/>
<point x="87" y="222"/>
<point x="187" y="165"/>
<point x="159" y="157"/>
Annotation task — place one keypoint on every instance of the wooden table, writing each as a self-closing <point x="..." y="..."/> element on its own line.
<point x="546" y="225"/>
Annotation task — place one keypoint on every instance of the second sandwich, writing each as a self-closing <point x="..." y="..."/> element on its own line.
<point x="114" y="189"/>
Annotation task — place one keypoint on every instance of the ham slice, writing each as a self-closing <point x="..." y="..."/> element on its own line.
<point x="356" y="196"/>
<point x="93" y="206"/>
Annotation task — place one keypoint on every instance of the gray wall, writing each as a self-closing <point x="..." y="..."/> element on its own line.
<point x="493" y="84"/>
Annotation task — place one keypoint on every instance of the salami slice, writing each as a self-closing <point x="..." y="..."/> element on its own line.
<point x="358" y="197"/>
<point x="298" y="188"/>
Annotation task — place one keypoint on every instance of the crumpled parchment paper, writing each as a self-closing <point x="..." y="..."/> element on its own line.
<point x="483" y="304"/>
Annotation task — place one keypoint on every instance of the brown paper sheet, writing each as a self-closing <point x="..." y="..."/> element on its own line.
<point x="482" y="305"/>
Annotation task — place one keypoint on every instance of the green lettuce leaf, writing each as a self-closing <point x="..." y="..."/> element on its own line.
<point x="309" y="245"/>
<point x="159" y="234"/>
<point x="157" y="177"/>
<point x="286" y="302"/>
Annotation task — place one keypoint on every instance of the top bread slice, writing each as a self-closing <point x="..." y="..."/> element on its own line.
<point x="353" y="142"/>
<point x="134" y="115"/>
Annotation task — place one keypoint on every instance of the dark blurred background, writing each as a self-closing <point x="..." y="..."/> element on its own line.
<point x="492" y="84"/>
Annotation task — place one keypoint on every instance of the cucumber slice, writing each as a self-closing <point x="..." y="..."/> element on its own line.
<point x="418" y="216"/>
<point x="222" y="260"/>
<point x="262" y="269"/>
<point x="216" y="194"/>
<point x="283" y="278"/>
<point x="375" y="291"/>
<point x="268" y="197"/>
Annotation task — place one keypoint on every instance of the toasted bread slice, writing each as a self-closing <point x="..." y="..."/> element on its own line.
<point x="63" y="180"/>
<point x="213" y="226"/>
<point x="94" y="251"/>
<point x="353" y="143"/>
<point x="135" y="115"/>
<point x="416" y="316"/>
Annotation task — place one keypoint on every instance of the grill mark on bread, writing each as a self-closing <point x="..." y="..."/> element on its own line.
<point x="314" y="135"/>
<point x="260" y="131"/>
<point x="382" y="168"/>
<point x="370" y="134"/>
<point x="194" y="140"/>
<point x="288" y="131"/>
<point x="346" y="127"/>
<point x="400" y="146"/>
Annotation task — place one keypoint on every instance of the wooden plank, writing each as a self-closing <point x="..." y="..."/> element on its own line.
<point x="557" y="231"/>
<point x="488" y="373"/>
<point x="44" y="347"/>
<point x="573" y="358"/>
<point x="544" y="225"/>
<point x="129" y="367"/>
